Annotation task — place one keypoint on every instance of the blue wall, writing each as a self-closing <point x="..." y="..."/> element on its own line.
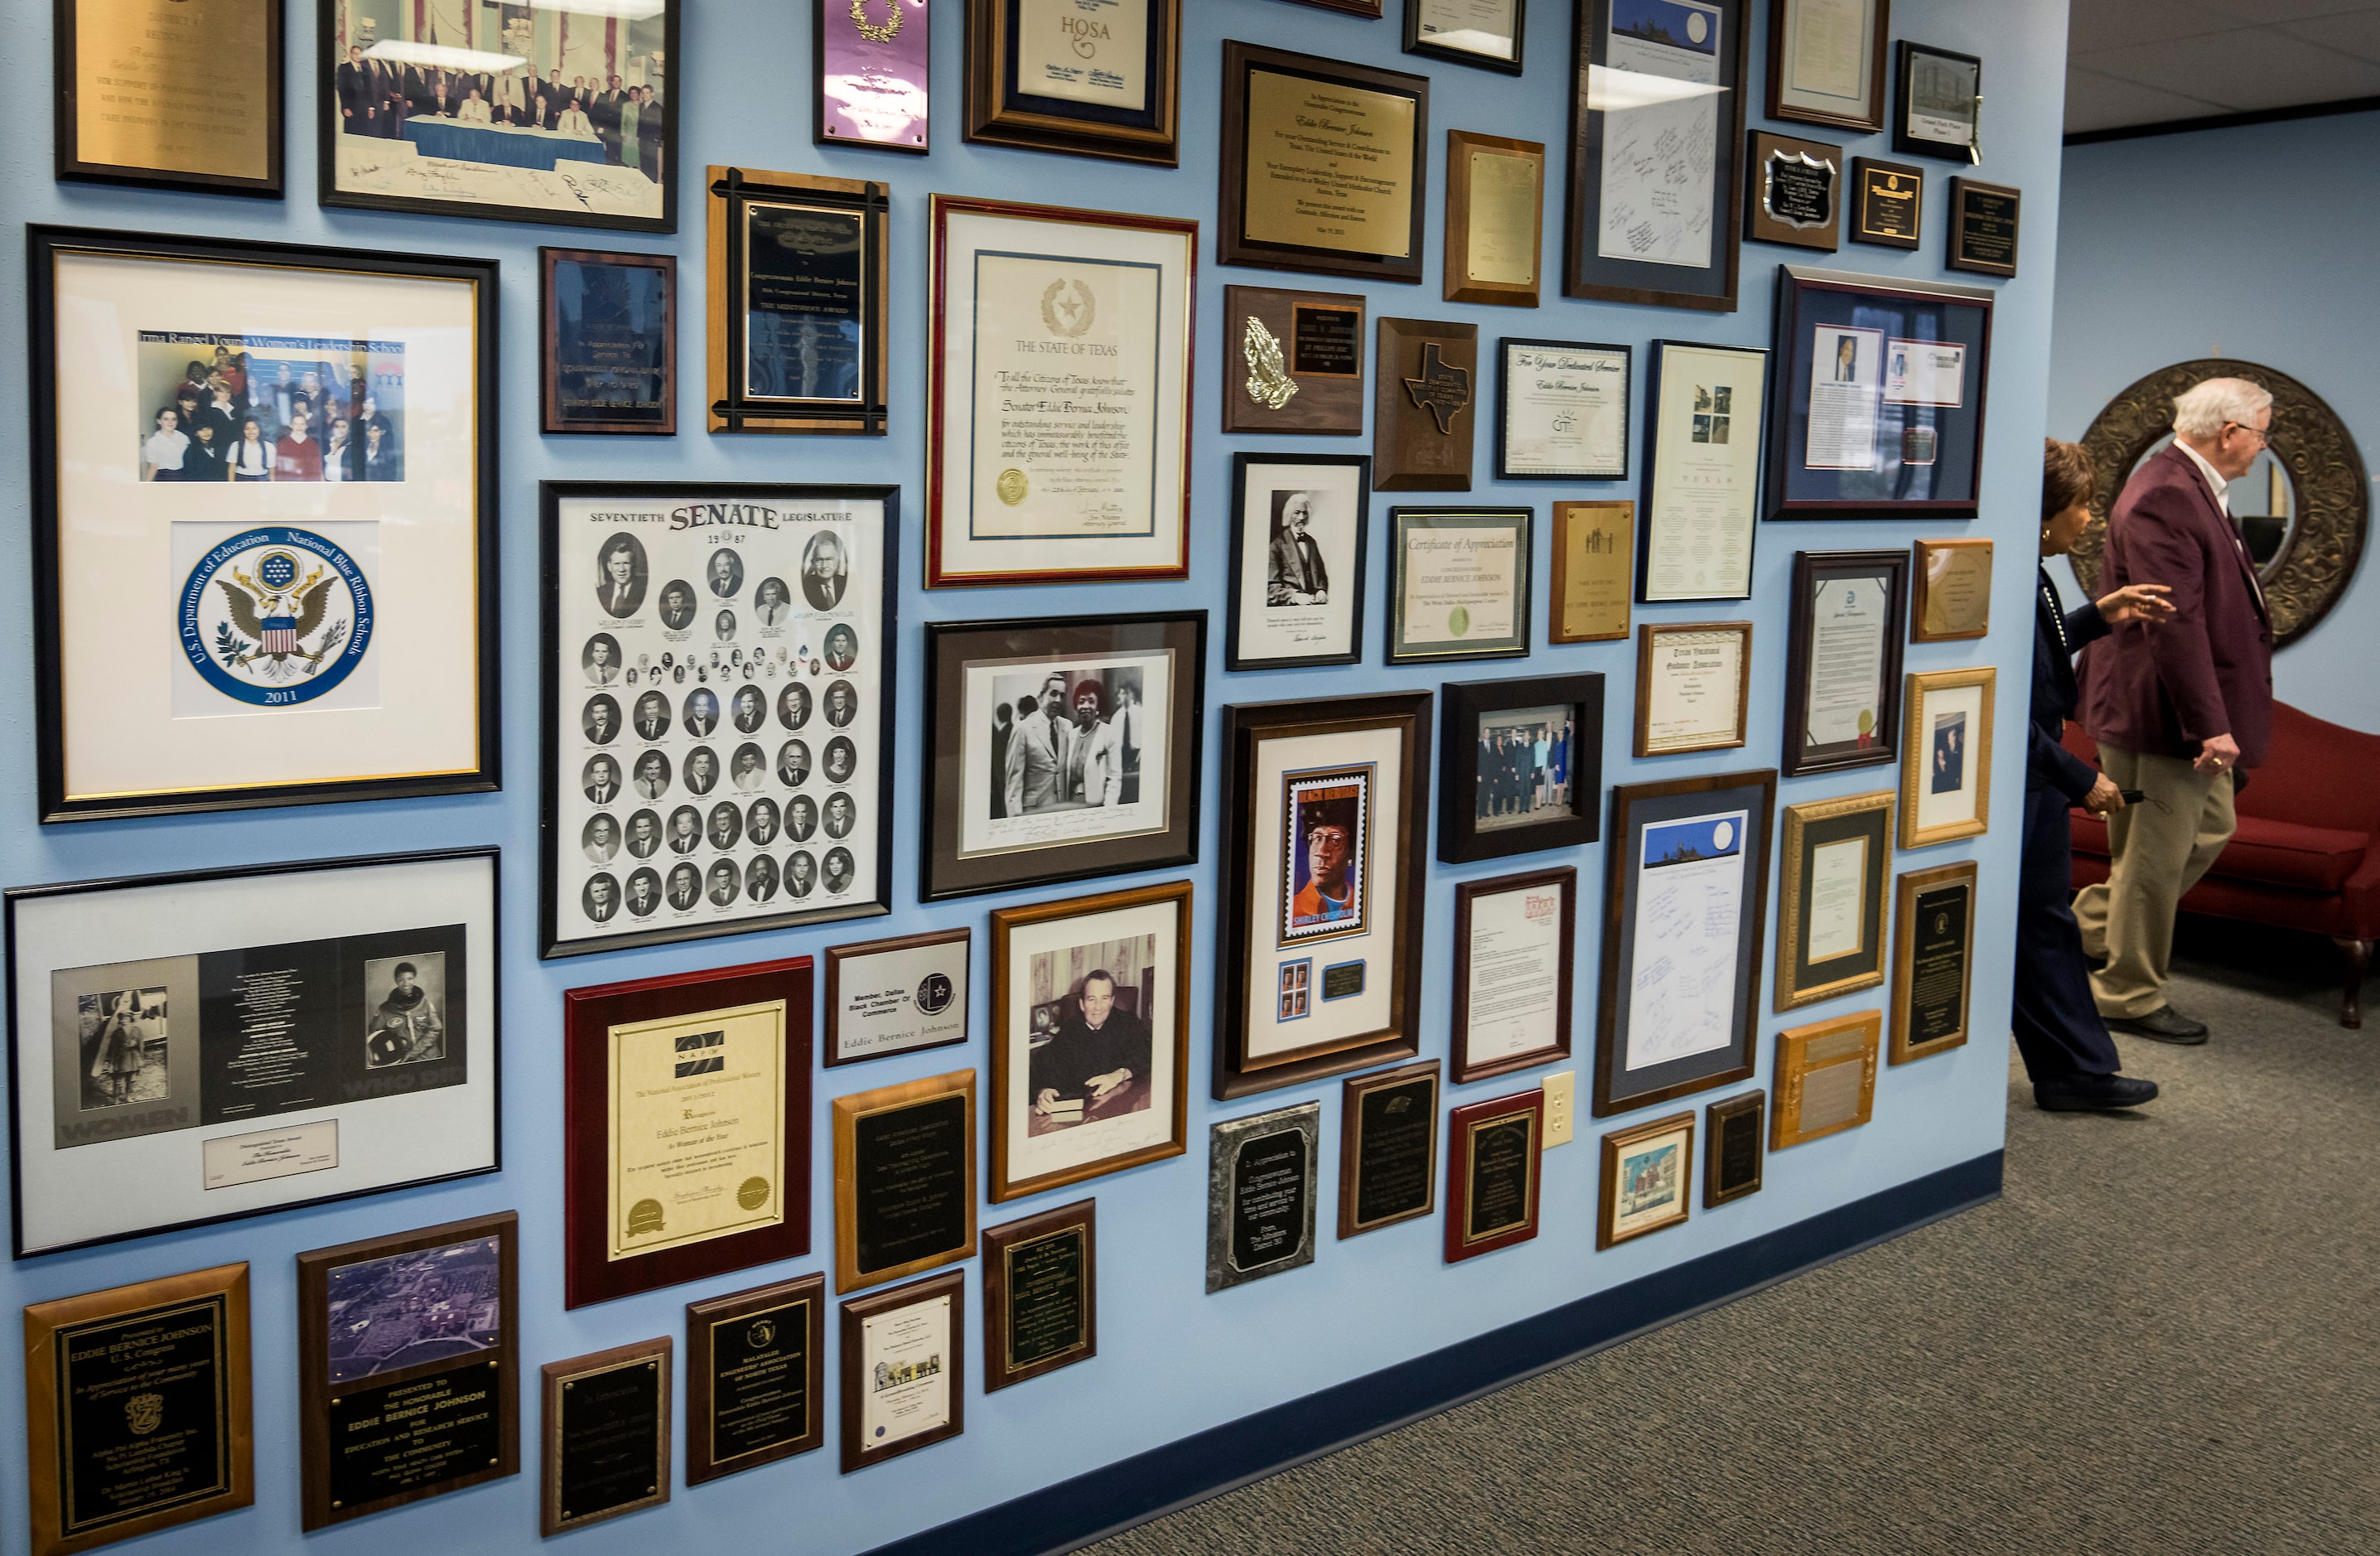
<point x="1173" y="1360"/>
<point x="2233" y="243"/>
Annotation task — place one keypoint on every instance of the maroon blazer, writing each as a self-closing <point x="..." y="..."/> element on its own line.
<point x="2208" y="669"/>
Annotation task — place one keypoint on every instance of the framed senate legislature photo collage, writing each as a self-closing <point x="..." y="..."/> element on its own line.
<point x="718" y="710"/>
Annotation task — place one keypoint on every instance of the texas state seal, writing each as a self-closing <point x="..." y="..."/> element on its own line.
<point x="274" y="616"/>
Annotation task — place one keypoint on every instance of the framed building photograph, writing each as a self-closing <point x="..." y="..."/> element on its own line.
<point x="755" y="1378"/>
<point x="1833" y="862"/>
<point x="1648" y="1179"/>
<point x="1296" y="131"/>
<point x="1945" y="755"/>
<point x="1953" y="584"/>
<point x="1090" y="1037"/>
<point x="1824" y="1079"/>
<point x="1707" y="406"/>
<point x="1292" y="361"/>
<point x="1060" y="749"/>
<point x="1088" y="307"/>
<point x="1487" y="34"/>
<point x="1262" y="1176"/>
<point x="1842" y="660"/>
<point x="1458" y="584"/>
<point x="874" y="69"/>
<point x="1043" y="76"/>
<point x="1562" y="410"/>
<point x="718" y="729"/>
<point x="606" y="1437"/>
<point x="798" y="270"/>
<point x="1826" y="62"/>
<point x="1493" y="1149"/>
<point x="335" y="642"/>
<point x="1683" y="934"/>
<point x="137" y="1057"/>
<point x="1693" y="687"/>
<point x="902" y="995"/>
<point x="1734" y="1131"/>
<point x="1040" y="1294"/>
<point x="904" y="1179"/>
<point x="1515" y="943"/>
<point x="1319" y="919"/>
<point x="1932" y="961"/>
<point x="607" y="337"/>
<point x="161" y="98"/>
<point x="1300" y="524"/>
<point x="1594" y="572"/>
<point x="1495" y="209"/>
<point x="1653" y="215"/>
<point x="565" y="115"/>
<point x="1424" y="389"/>
<point x="1941" y="103"/>
<point x="1521" y="766"/>
<point x="1388" y="1148"/>
<point x="903" y="1369"/>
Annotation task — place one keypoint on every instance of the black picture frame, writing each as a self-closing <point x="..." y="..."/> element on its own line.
<point x="1415" y="44"/>
<point x="70" y="165"/>
<point x="1881" y="747"/>
<point x="1467" y="705"/>
<point x="943" y="872"/>
<point x="1504" y="349"/>
<point x="1401" y="647"/>
<point x="999" y="112"/>
<point x="1241" y="464"/>
<point x="554" y="415"/>
<point x="45" y="245"/>
<point x="1909" y="140"/>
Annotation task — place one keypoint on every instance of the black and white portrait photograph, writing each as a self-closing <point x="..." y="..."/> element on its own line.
<point x="726" y="883"/>
<point x="600" y="898"/>
<point x="601" y="660"/>
<point x="801" y="818"/>
<point x="123" y="1054"/>
<point x="408" y="995"/>
<point x="599" y="720"/>
<point x="836" y="875"/>
<point x="678" y="608"/>
<point x="794" y="763"/>
<point x="725" y="573"/>
<point x="842" y="704"/>
<point x="653" y="716"/>
<point x="760" y="822"/>
<point x="644" y="834"/>
<point x="644" y="892"/>
<point x="841" y="647"/>
<point x="600" y="841"/>
<point x="684" y="829"/>
<point x="652" y="775"/>
<point x="748" y="768"/>
<point x="840" y="815"/>
<point x="771" y="604"/>
<point x="825" y="574"/>
<point x="749" y="710"/>
<point x="685" y="887"/>
<point x="842" y="759"/>
<point x="723" y="626"/>
<point x="701" y="711"/>
<point x="1297" y="560"/>
<point x="701" y="770"/>
<point x="794" y="705"/>
<point x="621" y="572"/>
<point x="726" y="826"/>
<point x="801" y="873"/>
<point x="600" y="780"/>
<point x="761" y="878"/>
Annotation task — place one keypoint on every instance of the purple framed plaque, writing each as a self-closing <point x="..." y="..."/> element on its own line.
<point x="874" y="60"/>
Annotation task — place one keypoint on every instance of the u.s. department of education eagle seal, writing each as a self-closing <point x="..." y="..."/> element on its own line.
<point x="275" y="616"/>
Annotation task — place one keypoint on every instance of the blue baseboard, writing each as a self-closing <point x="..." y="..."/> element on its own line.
<point x="1089" y="1507"/>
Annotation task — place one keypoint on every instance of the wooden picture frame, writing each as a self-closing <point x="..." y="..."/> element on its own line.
<point x="1291" y="515"/>
<point x="1932" y="961"/>
<point x="1937" y="106"/>
<point x="1687" y="664"/>
<point x="1735" y="1134"/>
<point x="1647" y="1180"/>
<point x="1888" y="204"/>
<point x="1293" y="361"/>
<point x="466" y="1401"/>
<point x="1986" y="227"/>
<point x="1595" y="569"/>
<point x="1951" y="591"/>
<point x="1388" y="1148"/>
<point x="1540" y="385"/>
<point x="1813" y="962"/>
<point x="1251" y="232"/>
<point x="1813" y="106"/>
<point x="1366" y="8"/>
<point x="940" y="1336"/>
<point x="1937" y="758"/>
<point x="1824" y="1079"/>
<point x="1493" y="252"/>
<point x="1483" y="1140"/>
<point x="1465" y="605"/>
<point x="904" y="1013"/>
<point x="1030" y="1258"/>
<point x="1793" y="191"/>
<point x="1560" y="805"/>
<point x="1557" y="921"/>
<point x="566" y="403"/>
<point x="635" y="1376"/>
<point x="1158" y="1003"/>
<point x="1419" y="28"/>
<point x="862" y="1211"/>
<point x="80" y="57"/>
<point x="1001" y="110"/>
<point x="741" y="1341"/>
<point x="819" y="220"/>
<point x="883" y="72"/>
<point x="1425" y="398"/>
<point x="1263" y="1175"/>
<point x="1864" y="728"/>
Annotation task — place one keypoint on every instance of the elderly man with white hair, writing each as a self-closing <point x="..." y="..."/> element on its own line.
<point x="2181" y="712"/>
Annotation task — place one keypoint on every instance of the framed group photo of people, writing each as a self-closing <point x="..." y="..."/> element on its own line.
<point x="1299" y="527"/>
<point x="1521" y="766"/>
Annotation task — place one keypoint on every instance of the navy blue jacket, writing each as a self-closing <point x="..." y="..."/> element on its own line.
<point x="2057" y="634"/>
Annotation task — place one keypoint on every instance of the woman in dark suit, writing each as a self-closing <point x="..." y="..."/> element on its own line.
<point x="2058" y="1029"/>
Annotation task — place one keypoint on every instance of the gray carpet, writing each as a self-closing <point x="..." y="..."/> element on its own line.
<point x="2162" y="1339"/>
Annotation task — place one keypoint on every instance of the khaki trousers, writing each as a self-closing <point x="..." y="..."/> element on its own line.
<point x="2161" y="847"/>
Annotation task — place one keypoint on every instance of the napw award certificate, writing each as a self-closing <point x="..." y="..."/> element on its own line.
<point x="698" y="1127"/>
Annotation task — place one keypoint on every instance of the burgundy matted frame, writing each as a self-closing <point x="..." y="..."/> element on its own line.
<point x="1563" y="878"/>
<point x="1462" y="1129"/>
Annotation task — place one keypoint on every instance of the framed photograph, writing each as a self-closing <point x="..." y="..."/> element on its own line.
<point x="1945" y="755"/>
<point x="797" y="270"/>
<point x="904" y="1179"/>
<point x="1836" y="856"/>
<point x="1648" y="1179"/>
<point x="1521" y="766"/>
<point x="1682" y="937"/>
<point x="1300" y="528"/>
<point x="755" y="1378"/>
<point x="1708" y="404"/>
<point x="1882" y="413"/>
<point x="1733" y="1131"/>
<point x="1061" y="748"/>
<point x="1087" y="306"/>
<point x="1261" y="1180"/>
<point x="648" y="1203"/>
<point x="1826" y="62"/>
<point x="1953" y="602"/>
<point x="1562" y="410"/>
<point x="147" y="96"/>
<point x="897" y="996"/>
<point x="1653" y="215"/>
<point x="1492" y="1154"/>
<point x="1295" y="128"/>
<point x="1594" y="572"/>
<point x="104" y="1373"/>
<point x="1292" y="361"/>
<point x="418" y="1332"/>
<point x="1319" y="920"/>
<point x="1514" y="943"/>
<point x="1043" y="76"/>
<point x="1934" y="960"/>
<point x="1487" y="34"/>
<point x="1941" y="104"/>
<point x="1693" y="687"/>
<point x="1090" y="1037"/>
<point x="1888" y="203"/>
<point x="607" y="342"/>
<point x="142" y="1067"/>
<point x="568" y="117"/>
<point x="874" y="69"/>
<point x="1421" y="396"/>
<point x="903" y="1354"/>
<point x="1842" y="660"/>
<point x="1793" y="194"/>
<point x="1458" y="584"/>
<point x="1984" y="227"/>
<point x="1824" y="1079"/>
<point x="1388" y="1148"/>
<point x="1495" y="205"/>
<point x="312" y="649"/>
<point x="607" y="1436"/>
<point x="1040" y="1294"/>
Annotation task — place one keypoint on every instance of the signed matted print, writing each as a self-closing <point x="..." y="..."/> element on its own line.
<point x="1299" y="524"/>
<point x="718" y="710"/>
<point x="564" y="113"/>
<point x="1945" y="755"/>
<point x="201" y="643"/>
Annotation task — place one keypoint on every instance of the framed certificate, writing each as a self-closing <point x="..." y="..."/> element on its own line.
<point x="1343" y="199"/>
<point x="1833" y="862"/>
<point x="874" y="68"/>
<point x="1826" y="1079"/>
<point x="1521" y="766"/>
<point x="1826" y="62"/>
<point x="608" y="342"/>
<point x="1842" y="660"/>
<point x="1693" y="687"/>
<point x="1562" y="410"/>
<point x="1495" y="208"/>
<point x="1653" y="215"/>
<point x="797" y="273"/>
<point x="1388" y="1148"/>
<point x="718" y="710"/>
<point x="1458" y="584"/>
<point x="1514" y="938"/>
<point x="1708" y="404"/>
<point x="1086" y="307"/>
<point x="1953" y="584"/>
<point x="1945" y="755"/>
<point x="1487" y="34"/>
<point x="248" y="1041"/>
<point x="1040" y="1294"/>
<point x="897" y="996"/>
<point x="1594" y="572"/>
<point x="1734" y="1131"/>
<point x="1493" y="1151"/>
<point x="1292" y="361"/>
<point x="1685" y="909"/>
<point x="903" y="1360"/>
<point x="1941" y="106"/>
<point x="214" y="647"/>
<point x="648" y="1202"/>
<point x="1300" y="526"/>
<point x="1048" y="75"/>
<point x="607" y="1436"/>
<point x="1648" y="1179"/>
<point x="165" y="98"/>
<point x="1262" y="1176"/>
<point x="1934" y="960"/>
<point x="755" y="1378"/>
<point x="904" y="1179"/>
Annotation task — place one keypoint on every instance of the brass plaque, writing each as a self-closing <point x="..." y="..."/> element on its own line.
<point x="1954" y="589"/>
<point x="1594" y="570"/>
<point x="1329" y="166"/>
<point x="174" y="86"/>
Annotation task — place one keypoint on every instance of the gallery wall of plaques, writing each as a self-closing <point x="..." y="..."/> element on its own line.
<point x="714" y="687"/>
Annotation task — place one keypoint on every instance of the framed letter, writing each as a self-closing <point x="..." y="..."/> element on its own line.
<point x="1514" y="938"/>
<point x="1388" y="1148"/>
<point x="1521" y="766"/>
<point x="167" y="97"/>
<point x="1495" y="213"/>
<point x="1324" y="164"/>
<point x="608" y="334"/>
<point x="1564" y="410"/>
<point x="1945" y="755"/>
<point x="1933" y="961"/>
<point x="1702" y="472"/>
<point x="1299" y="531"/>
<point x="1842" y="660"/>
<point x="874" y="62"/>
<point x="797" y="275"/>
<point x="1091" y="81"/>
<point x="1826" y="62"/>
<point x="1835" y="859"/>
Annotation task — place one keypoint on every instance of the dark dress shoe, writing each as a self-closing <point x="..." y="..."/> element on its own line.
<point x="2165" y="1024"/>
<point x="2091" y="1094"/>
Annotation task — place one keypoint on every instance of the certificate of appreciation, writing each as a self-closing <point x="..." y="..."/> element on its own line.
<point x="1704" y="487"/>
<point x="698" y="1127"/>
<point x="1461" y="583"/>
<point x="1329" y="166"/>
<point x="1565" y="412"/>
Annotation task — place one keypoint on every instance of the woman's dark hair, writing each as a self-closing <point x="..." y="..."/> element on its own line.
<point x="2068" y="477"/>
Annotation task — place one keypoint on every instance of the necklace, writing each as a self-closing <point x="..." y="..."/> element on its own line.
<point x="869" y="31"/>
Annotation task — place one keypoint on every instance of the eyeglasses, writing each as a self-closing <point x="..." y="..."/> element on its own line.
<point x="2263" y="435"/>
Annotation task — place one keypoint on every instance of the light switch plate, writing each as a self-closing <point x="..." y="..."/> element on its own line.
<point x="1560" y="1091"/>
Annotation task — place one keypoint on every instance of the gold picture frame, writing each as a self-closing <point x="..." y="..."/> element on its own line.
<point x="1666" y="1196"/>
<point x="1713" y="734"/>
<point x="1945" y="755"/>
<point x="1814" y="960"/>
<point x="1824" y="1079"/>
<point x="957" y="1157"/>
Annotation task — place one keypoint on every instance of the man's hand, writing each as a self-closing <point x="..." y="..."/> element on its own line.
<point x="2218" y="753"/>
<point x="2142" y="602"/>
<point x="1103" y="1086"/>
<point x="1045" y="1101"/>
<point x="2104" y="796"/>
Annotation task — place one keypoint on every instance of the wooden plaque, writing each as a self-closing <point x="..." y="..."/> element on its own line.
<point x="1292" y="361"/>
<point x="1794" y="192"/>
<point x="1423" y="391"/>
<point x="1594" y="572"/>
<point x="1495" y="219"/>
<point x="1986" y="221"/>
<point x="1824" y="1079"/>
<point x="1493" y="1149"/>
<point x="826" y="266"/>
<point x="904" y="1179"/>
<point x="1040" y="1294"/>
<point x="1732" y="1128"/>
<point x="1388" y="1148"/>
<point x="1648" y="1179"/>
<point x="755" y="1378"/>
<point x="889" y="1011"/>
<point x="1296" y="129"/>
<point x="1953" y="579"/>
<point x="607" y="1436"/>
<point x="1932" y="961"/>
<point x="911" y="1391"/>
<point x="1886" y="203"/>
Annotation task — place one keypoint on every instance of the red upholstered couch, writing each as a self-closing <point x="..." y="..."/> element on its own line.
<point x="2307" y="853"/>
